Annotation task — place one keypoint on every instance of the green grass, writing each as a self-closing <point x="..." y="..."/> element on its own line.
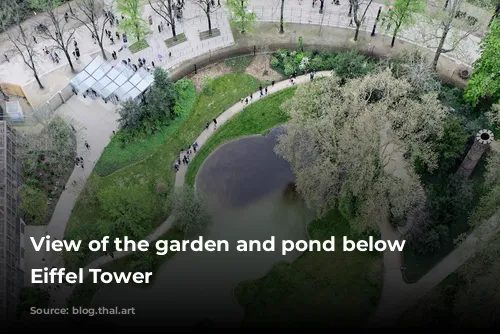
<point x="83" y="293"/>
<point x="257" y="118"/>
<point x="138" y="46"/>
<point x="329" y="288"/>
<point x="239" y="64"/>
<point x="157" y="167"/>
<point x="115" y="156"/>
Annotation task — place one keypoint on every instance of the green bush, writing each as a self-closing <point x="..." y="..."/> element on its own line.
<point x="346" y="64"/>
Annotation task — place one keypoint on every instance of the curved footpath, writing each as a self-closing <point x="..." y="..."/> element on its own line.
<point x="397" y="295"/>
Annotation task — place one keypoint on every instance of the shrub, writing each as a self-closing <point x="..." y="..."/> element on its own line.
<point x="161" y="188"/>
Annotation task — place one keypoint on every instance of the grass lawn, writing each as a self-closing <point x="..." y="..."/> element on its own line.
<point x="157" y="167"/>
<point x="83" y="293"/>
<point x="115" y="156"/>
<point x="239" y="64"/>
<point x="258" y="117"/>
<point x="330" y="288"/>
<point x="138" y="46"/>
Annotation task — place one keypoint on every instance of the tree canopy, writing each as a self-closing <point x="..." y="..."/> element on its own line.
<point x="485" y="81"/>
<point x="353" y="146"/>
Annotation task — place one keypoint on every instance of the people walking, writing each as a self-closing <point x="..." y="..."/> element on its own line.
<point x="34" y="39"/>
<point x="87" y="145"/>
<point x="207" y="126"/>
<point x="272" y="83"/>
<point x="66" y="17"/>
<point x="265" y="89"/>
<point x="215" y="124"/>
<point x="77" y="53"/>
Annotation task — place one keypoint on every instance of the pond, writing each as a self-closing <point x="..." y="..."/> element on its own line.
<point x="244" y="182"/>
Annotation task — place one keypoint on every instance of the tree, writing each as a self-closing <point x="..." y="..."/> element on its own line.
<point x="401" y="14"/>
<point x="374" y="117"/>
<point x="208" y="9"/>
<point x="59" y="31"/>
<point x="282" y="9"/>
<point x="444" y="30"/>
<point x="131" y="115"/>
<point x="131" y="215"/>
<point x="22" y="43"/>
<point x="162" y="96"/>
<point x="485" y="80"/>
<point x="241" y="16"/>
<point x="490" y="199"/>
<point x="189" y="210"/>
<point x="33" y="297"/>
<point x="91" y="16"/>
<point x="165" y="8"/>
<point x="358" y="18"/>
<point x="133" y="23"/>
<point x="34" y="205"/>
<point x="417" y="69"/>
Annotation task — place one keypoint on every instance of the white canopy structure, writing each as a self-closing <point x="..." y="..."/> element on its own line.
<point x="115" y="83"/>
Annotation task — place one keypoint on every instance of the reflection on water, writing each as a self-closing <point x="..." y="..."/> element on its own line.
<point x="193" y="286"/>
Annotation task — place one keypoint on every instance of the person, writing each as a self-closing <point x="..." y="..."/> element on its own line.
<point x="75" y="44"/>
<point x="112" y="40"/>
<point x="215" y="124"/>
<point x="117" y="34"/>
<point x="207" y="126"/>
<point x="66" y="16"/>
<point x="6" y="58"/>
<point x="153" y="64"/>
<point x="144" y="61"/>
<point x="87" y="145"/>
<point x="77" y="53"/>
<point x="311" y="76"/>
<point x="195" y="146"/>
<point x="176" y="166"/>
<point x="246" y="100"/>
<point x="265" y="90"/>
<point x="272" y="83"/>
<point x="34" y="39"/>
<point x="150" y="19"/>
<point x="159" y="28"/>
<point x="251" y="97"/>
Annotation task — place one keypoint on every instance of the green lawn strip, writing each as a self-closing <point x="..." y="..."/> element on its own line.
<point x="115" y="156"/>
<point x="239" y="64"/>
<point x="340" y="288"/>
<point x="157" y="168"/>
<point x="257" y="118"/>
<point x="138" y="46"/>
<point x="83" y="293"/>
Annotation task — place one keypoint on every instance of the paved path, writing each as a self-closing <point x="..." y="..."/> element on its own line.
<point x="194" y="21"/>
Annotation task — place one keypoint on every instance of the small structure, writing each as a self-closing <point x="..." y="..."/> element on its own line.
<point x="14" y="112"/>
<point x="111" y="83"/>
<point x="483" y="140"/>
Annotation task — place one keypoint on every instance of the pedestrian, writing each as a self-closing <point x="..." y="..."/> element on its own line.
<point x="260" y="87"/>
<point x="207" y="126"/>
<point x="272" y="83"/>
<point x="153" y="64"/>
<point x="150" y="19"/>
<point x="162" y="25"/>
<point x="170" y="54"/>
<point x="75" y="44"/>
<point x="117" y="22"/>
<point x="251" y="98"/>
<point x="82" y="164"/>
<point x="87" y="145"/>
<point x="77" y="53"/>
<point x="34" y="39"/>
<point x="144" y="61"/>
<point x="66" y="16"/>
<point x="246" y="100"/>
<point x="213" y="3"/>
<point x="176" y="166"/>
<point x="128" y="60"/>
<point x="6" y="58"/>
<point x="139" y="60"/>
<point x="195" y="146"/>
<point x="52" y="58"/>
<point x="265" y="89"/>
<point x="159" y="28"/>
<point x="117" y="34"/>
<point x="112" y="40"/>
<point x="215" y="124"/>
<point x="135" y="67"/>
<point x="311" y="76"/>
<point x="218" y="3"/>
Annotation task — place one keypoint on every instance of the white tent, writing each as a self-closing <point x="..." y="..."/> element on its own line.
<point x="118" y="82"/>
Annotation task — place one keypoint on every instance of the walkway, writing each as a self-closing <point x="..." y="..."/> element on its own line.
<point x="195" y="21"/>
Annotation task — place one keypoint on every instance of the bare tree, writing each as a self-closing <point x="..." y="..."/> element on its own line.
<point x="165" y="8"/>
<point x="208" y="7"/>
<point x="22" y="43"/>
<point x="446" y="29"/>
<point x="60" y="30"/>
<point x="91" y="16"/>
<point x="357" y="16"/>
